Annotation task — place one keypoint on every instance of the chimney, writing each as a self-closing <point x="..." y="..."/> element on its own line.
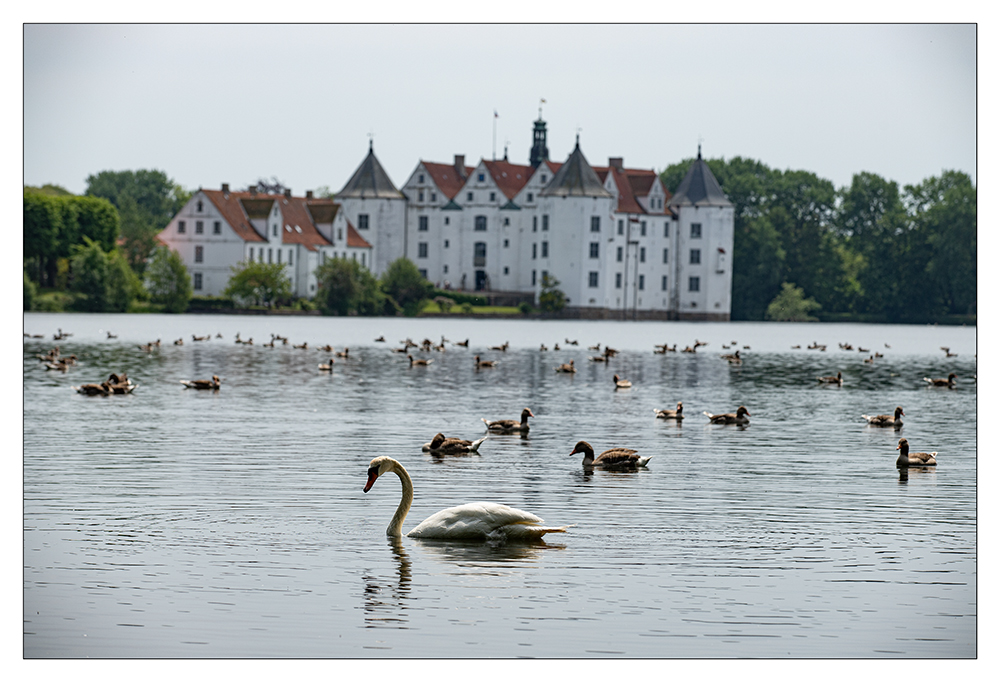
<point x="460" y="165"/>
<point x="253" y="190"/>
<point x="615" y="162"/>
<point x="225" y="187"/>
<point x="309" y="194"/>
<point x="288" y="193"/>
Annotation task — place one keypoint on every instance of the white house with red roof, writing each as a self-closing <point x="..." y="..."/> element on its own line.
<point x="218" y="229"/>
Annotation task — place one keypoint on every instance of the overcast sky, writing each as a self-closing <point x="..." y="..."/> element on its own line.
<point x="218" y="103"/>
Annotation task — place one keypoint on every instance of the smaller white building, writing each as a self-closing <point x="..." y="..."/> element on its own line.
<point x="218" y="229"/>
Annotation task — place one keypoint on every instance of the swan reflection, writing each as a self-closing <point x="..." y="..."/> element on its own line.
<point x="385" y="600"/>
<point x="485" y="553"/>
<point x="904" y="472"/>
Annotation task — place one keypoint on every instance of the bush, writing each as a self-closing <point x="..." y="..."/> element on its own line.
<point x="345" y="287"/>
<point x="791" y="305"/>
<point x="526" y="308"/>
<point x="30" y="292"/>
<point x="256" y="283"/>
<point x="167" y="280"/>
<point x="89" y="266"/>
<point x="551" y="299"/>
<point x="407" y="287"/>
<point x="467" y="308"/>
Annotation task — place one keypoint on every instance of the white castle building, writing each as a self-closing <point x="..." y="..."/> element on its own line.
<point x="619" y="245"/>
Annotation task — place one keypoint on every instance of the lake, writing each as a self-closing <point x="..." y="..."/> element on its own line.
<point x="175" y="523"/>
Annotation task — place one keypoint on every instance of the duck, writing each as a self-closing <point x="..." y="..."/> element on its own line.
<point x="303" y="346"/>
<point x="147" y="348"/>
<point x="886" y="419"/>
<point x="510" y="425"/>
<point x="839" y="380"/>
<point x="179" y="342"/>
<point x="863" y="350"/>
<point x="485" y="363"/>
<point x="440" y="445"/>
<point x="566" y="367"/>
<point x="571" y="343"/>
<point x="380" y="339"/>
<point x="59" y="365"/>
<point x="212" y="384"/>
<point x="610" y="352"/>
<point x="476" y="521"/>
<point x="946" y="383"/>
<point x="556" y="346"/>
<point x="120" y="384"/>
<point x="622" y="383"/>
<point x="464" y="344"/>
<point x="739" y="417"/>
<point x="112" y="336"/>
<point x="615" y="458"/>
<point x="733" y="358"/>
<point x="597" y="347"/>
<point x="200" y="338"/>
<point x="418" y="362"/>
<point x="598" y="358"/>
<point x="671" y="414"/>
<point x="93" y="389"/>
<point x="343" y="354"/>
<point x="503" y="347"/>
<point x="543" y="348"/>
<point x="325" y="349"/>
<point x="327" y="367"/>
<point x="914" y="459"/>
<point x="689" y="349"/>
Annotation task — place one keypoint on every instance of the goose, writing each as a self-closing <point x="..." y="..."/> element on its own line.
<point x="947" y="383"/>
<point x="112" y="336"/>
<point x="464" y="344"/>
<point x="179" y="342"/>
<point x="58" y="365"/>
<point x="732" y="357"/>
<point x="418" y="362"/>
<point x="480" y="521"/>
<point x="622" y="383"/>
<point x="503" y="347"/>
<point x="200" y="338"/>
<point x="120" y="384"/>
<point x="610" y="352"/>
<point x="571" y="343"/>
<point x="440" y="445"/>
<point x="689" y="349"/>
<point x="93" y="389"/>
<point x="485" y="363"/>
<point x="705" y="343"/>
<point x="325" y="349"/>
<point x="326" y="368"/>
<point x="885" y="419"/>
<point x="597" y="347"/>
<point x="660" y="350"/>
<point x="510" y="425"/>
<point x="739" y="417"/>
<point x="555" y="347"/>
<point x="148" y="348"/>
<point x="566" y="367"/>
<point x="796" y="346"/>
<point x="218" y="335"/>
<point x="380" y="339"/>
<point x="598" y="358"/>
<point x="869" y="360"/>
<point x="343" y="354"/>
<point x="203" y="384"/>
<point x="914" y="459"/>
<point x="839" y="380"/>
<point x="671" y="414"/>
<point x="304" y="346"/>
<point x="615" y="458"/>
<point x="543" y="348"/>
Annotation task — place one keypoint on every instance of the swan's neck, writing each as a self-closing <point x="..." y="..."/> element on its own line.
<point x="395" y="528"/>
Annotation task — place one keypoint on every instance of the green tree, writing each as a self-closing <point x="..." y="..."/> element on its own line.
<point x="551" y="299"/>
<point x="42" y="226"/>
<point x="407" y="287"/>
<point x="791" y="305"/>
<point x="758" y="263"/>
<point x="344" y="287"/>
<point x="257" y="283"/>
<point x="29" y="292"/>
<point x="89" y="265"/>
<point x="124" y="286"/>
<point x="167" y="280"/>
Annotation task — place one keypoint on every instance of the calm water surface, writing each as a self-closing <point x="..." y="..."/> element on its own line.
<point x="180" y="523"/>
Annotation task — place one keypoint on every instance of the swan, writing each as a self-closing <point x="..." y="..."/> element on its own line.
<point x="480" y="521"/>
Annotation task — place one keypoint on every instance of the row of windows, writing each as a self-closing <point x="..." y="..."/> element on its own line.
<point x="694" y="283"/>
<point x="250" y="254"/>
<point x="199" y="227"/>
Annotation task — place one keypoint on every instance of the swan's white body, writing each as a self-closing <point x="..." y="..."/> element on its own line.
<point x="478" y="521"/>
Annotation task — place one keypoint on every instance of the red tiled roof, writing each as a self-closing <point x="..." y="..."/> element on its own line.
<point x="297" y="222"/>
<point x="354" y="239"/>
<point x="510" y="178"/>
<point x="632" y="183"/>
<point x="446" y="178"/>
<point x="229" y="205"/>
<point x="626" y="199"/>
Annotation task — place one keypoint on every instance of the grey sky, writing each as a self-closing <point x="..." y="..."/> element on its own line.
<point x="219" y="103"/>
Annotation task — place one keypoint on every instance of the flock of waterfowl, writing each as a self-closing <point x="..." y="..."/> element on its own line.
<point x="483" y="520"/>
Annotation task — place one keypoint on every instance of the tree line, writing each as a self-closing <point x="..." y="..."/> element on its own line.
<point x="870" y="251"/>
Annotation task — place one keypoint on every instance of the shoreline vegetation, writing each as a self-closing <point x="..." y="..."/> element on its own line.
<point x="804" y="250"/>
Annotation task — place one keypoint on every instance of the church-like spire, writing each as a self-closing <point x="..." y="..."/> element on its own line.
<point x="539" y="150"/>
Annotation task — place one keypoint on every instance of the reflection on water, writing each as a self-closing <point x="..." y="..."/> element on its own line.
<point x="178" y="523"/>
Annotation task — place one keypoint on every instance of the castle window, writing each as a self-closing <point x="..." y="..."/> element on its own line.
<point x="420" y="179"/>
<point x="340" y="233"/>
<point x="421" y="225"/>
<point x="197" y="281"/>
<point x="695" y="258"/>
<point x="545" y="222"/>
<point x="618" y="280"/>
<point x="642" y="226"/>
<point x="666" y="228"/>
<point x="694" y="284"/>
<point x="642" y="282"/>
<point x="595" y="249"/>
<point x="199" y="227"/>
<point x="493" y="196"/>
<point x="199" y="254"/>
<point x="181" y="227"/>
<point x="506" y="221"/>
<point x="447" y="220"/>
<point x="534" y="251"/>
<point x="665" y="255"/>
<point x="199" y="206"/>
<point x="695" y="230"/>
<point x="663" y="283"/>
<point x="545" y="249"/>
<point x="480" y="223"/>
<point x="506" y="270"/>
<point x="531" y="197"/>
<point x="506" y="243"/>
<point x="362" y="221"/>
<point x="274" y="230"/>
<point x="595" y="223"/>
<point x="533" y="278"/>
<point x="642" y="254"/>
<point x="482" y="177"/>
<point x="468" y="196"/>
<point x="420" y="196"/>
<point x="618" y="255"/>
<point x="446" y="243"/>
<point x="592" y="279"/>
<point x="421" y="250"/>
<point x="434" y="196"/>
<point x="423" y="272"/>
<point x="217" y="227"/>
<point x="534" y="224"/>
<point x="479" y="254"/>
<point x="290" y="252"/>
<point x="621" y="226"/>
<point x="544" y="179"/>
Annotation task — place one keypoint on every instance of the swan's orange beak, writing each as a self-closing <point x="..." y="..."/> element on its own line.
<point x="372" y="475"/>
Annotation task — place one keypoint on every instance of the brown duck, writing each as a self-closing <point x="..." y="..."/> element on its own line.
<point x="615" y="458"/>
<point x="510" y="425"/>
<point x="622" y="383"/>
<point x="839" y="380"/>
<point x="946" y="383"/>
<point x="739" y="417"/>
<point x="567" y="367"/>
<point x="212" y="384"/>
<point x="423" y="363"/>
<point x="914" y="459"/>
<point x="671" y="414"/>
<point x="440" y="445"/>
<point x="885" y="419"/>
<point x="485" y="363"/>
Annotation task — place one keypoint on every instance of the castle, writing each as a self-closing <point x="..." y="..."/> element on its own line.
<point x="618" y="243"/>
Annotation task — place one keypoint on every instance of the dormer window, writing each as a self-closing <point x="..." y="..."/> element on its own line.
<point x="482" y="177"/>
<point x="434" y="196"/>
<point x="468" y="196"/>
<point x="420" y="178"/>
<point x="493" y="196"/>
<point x="420" y="196"/>
<point x="199" y="206"/>
<point x="531" y="197"/>
<point x="544" y="178"/>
